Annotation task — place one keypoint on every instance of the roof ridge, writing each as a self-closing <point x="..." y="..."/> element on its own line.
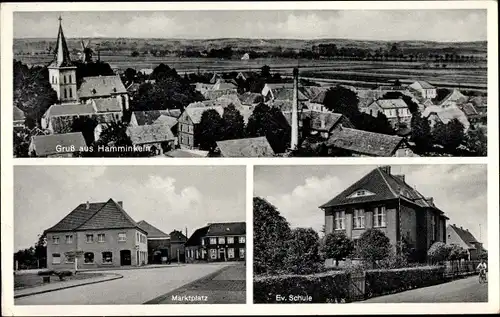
<point x="103" y="204"/>
<point x="387" y="183"/>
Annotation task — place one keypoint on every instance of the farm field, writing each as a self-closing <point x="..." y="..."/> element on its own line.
<point x="472" y="76"/>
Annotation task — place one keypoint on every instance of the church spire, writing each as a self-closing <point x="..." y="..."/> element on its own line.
<point x="61" y="51"/>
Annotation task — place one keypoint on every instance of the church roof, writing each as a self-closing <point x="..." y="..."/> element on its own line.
<point x="61" y="58"/>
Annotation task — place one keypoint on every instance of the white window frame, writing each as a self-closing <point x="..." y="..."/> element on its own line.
<point x="230" y="240"/>
<point x="358" y="218"/>
<point x="69" y="239"/>
<point x="379" y="211"/>
<point x="87" y="238"/>
<point x="55" y="239"/>
<point x="221" y="240"/>
<point x="242" y="239"/>
<point x="230" y="253"/>
<point x="99" y="235"/>
<point x="56" y="257"/>
<point x="213" y="240"/>
<point x="202" y="241"/>
<point x="122" y="237"/>
<point x="339" y="220"/>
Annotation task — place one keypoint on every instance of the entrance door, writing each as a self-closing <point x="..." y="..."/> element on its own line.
<point x="125" y="257"/>
<point x="222" y="255"/>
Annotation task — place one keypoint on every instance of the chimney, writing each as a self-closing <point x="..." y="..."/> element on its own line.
<point x="461" y="228"/>
<point x="87" y="205"/>
<point x="295" y="108"/>
<point x="401" y="177"/>
<point x="120" y="203"/>
<point x="386" y="169"/>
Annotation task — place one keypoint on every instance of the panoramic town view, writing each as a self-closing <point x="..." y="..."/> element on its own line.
<point x="374" y="234"/>
<point x="95" y="84"/>
<point x="176" y="239"/>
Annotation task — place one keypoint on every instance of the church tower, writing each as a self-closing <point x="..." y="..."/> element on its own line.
<point x="62" y="72"/>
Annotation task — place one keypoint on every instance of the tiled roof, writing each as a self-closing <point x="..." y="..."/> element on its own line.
<point x="287" y="94"/>
<point x="364" y="142"/>
<point x="391" y="103"/>
<point x="226" y="229"/>
<point x="153" y="133"/>
<point x="99" y="216"/>
<point x="48" y="144"/>
<point x="469" y="109"/>
<point x="250" y="98"/>
<point x="250" y="147"/>
<point x="101" y="86"/>
<point x="420" y="84"/>
<point x="152" y="231"/>
<point x="70" y="109"/>
<point x="186" y="153"/>
<point x="149" y="117"/>
<point x="195" y="238"/>
<point x="107" y="105"/>
<point x="221" y="84"/>
<point x="446" y="114"/>
<point x="177" y="236"/>
<point x="166" y="120"/>
<point x="465" y="236"/>
<point x="383" y="185"/>
<point x="454" y="96"/>
<point x="18" y="114"/>
<point x="196" y="113"/>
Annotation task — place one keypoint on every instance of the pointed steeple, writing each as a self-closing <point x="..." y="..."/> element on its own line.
<point x="61" y="51"/>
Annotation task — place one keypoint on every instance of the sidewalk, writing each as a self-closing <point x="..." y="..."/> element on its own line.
<point x="50" y="287"/>
<point x="122" y="268"/>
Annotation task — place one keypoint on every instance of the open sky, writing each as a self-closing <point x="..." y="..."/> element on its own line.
<point x="168" y="197"/>
<point x="297" y="191"/>
<point x="393" y="25"/>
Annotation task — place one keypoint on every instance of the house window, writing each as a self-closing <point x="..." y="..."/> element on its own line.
<point x="202" y="241"/>
<point x="359" y="218"/>
<point x="213" y="253"/>
<point x="138" y="237"/>
<point x="69" y="238"/>
<point x="230" y="240"/>
<point x="230" y="253"/>
<point x="213" y="240"/>
<point x="242" y="239"/>
<point x="90" y="238"/>
<point x="122" y="236"/>
<point x="100" y="237"/>
<point x="339" y="217"/>
<point x="55" y="240"/>
<point x="222" y="240"/>
<point x="70" y="259"/>
<point x="65" y="93"/>
<point x="242" y="253"/>
<point x="88" y="258"/>
<point x="107" y="257"/>
<point x="379" y="217"/>
<point x="356" y="244"/>
<point x="56" y="258"/>
<point x="69" y="78"/>
<point x="70" y="93"/>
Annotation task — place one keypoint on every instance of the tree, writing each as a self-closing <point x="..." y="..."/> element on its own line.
<point x="373" y="245"/>
<point x="477" y="142"/>
<point x="135" y="54"/>
<point x="271" y="231"/>
<point x="130" y="74"/>
<point x="438" y="252"/>
<point x="342" y="100"/>
<point x="209" y="130"/>
<point x="456" y="253"/>
<point x="271" y="123"/>
<point x="337" y="246"/>
<point x="265" y="71"/>
<point x="421" y="132"/>
<point x="21" y="143"/>
<point x="91" y="69"/>
<point x="85" y="125"/>
<point x="233" y="123"/>
<point x="302" y="252"/>
<point x="449" y="135"/>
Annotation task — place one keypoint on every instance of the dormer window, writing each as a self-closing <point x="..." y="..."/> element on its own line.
<point x="361" y="193"/>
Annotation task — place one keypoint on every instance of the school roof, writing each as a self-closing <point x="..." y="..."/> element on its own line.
<point x="381" y="185"/>
<point x="391" y="103"/>
<point x="45" y="145"/>
<point x="226" y="229"/>
<point x="250" y="147"/>
<point x="98" y="216"/>
<point x="152" y="231"/>
<point x="364" y="142"/>
<point x="153" y="133"/>
<point x="101" y="86"/>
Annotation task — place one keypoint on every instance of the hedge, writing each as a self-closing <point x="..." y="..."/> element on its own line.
<point x="381" y="282"/>
<point x="319" y="288"/>
<point x="46" y="272"/>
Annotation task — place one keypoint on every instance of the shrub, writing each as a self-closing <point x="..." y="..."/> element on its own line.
<point x="322" y="287"/>
<point x="337" y="246"/>
<point x="302" y="252"/>
<point x="46" y="272"/>
<point x="438" y="252"/>
<point x="63" y="274"/>
<point x="381" y="282"/>
<point x="373" y="245"/>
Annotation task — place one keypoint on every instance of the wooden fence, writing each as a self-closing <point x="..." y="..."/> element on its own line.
<point x="461" y="268"/>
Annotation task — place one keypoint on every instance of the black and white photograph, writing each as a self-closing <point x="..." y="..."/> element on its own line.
<point x="102" y="235"/>
<point x="370" y="234"/>
<point x="250" y="83"/>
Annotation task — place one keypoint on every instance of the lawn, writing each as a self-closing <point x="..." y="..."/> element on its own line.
<point x="33" y="280"/>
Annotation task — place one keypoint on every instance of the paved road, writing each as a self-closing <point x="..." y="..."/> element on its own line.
<point x="463" y="290"/>
<point x="223" y="287"/>
<point x="136" y="287"/>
